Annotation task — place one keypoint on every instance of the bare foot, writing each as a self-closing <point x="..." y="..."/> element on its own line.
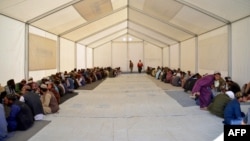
<point x="204" y="108"/>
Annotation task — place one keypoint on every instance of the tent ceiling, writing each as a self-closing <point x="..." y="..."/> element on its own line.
<point x="93" y="9"/>
<point x="95" y="22"/>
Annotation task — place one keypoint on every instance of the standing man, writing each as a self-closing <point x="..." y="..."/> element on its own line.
<point x="131" y="65"/>
<point x="139" y="65"/>
<point x="202" y="88"/>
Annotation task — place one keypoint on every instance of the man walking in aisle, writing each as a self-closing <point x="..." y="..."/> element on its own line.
<point x="139" y="65"/>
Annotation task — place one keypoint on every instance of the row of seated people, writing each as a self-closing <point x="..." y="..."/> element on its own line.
<point x="176" y="77"/>
<point x="187" y="80"/>
<point x="64" y="82"/>
<point x="18" y="111"/>
<point x="223" y="98"/>
<point x="26" y="101"/>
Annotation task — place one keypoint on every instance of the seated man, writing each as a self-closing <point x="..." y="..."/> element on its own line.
<point x="2" y="93"/>
<point x="219" y="103"/>
<point x="246" y="120"/>
<point x="49" y="102"/>
<point x="20" y="117"/>
<point x="3" y="123"/>
<point x="34" y="85"/>
<point x="32" y="99"/>
<point x="19" y="85"/>
<point x="52" y="88"/>
<point x="60" y="87"/>
<point x="158" y="72"/>
<point x="232" y="85"/>
<point x="10" y="88"/>
<point x="169" y="76"/>
<point x="189" y="84"/>
<point x="232" y="112"/>
<point x="246" y="90"/>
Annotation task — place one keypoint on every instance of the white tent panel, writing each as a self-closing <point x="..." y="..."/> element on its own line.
<point x="67" y="55"/>
<point x="102" y="55"/>
<point x="107" y="39"/>
<point x="166" y="57"/>
<point x="93" y="9"/>
<point x="213" y="52"/>
<point x="162" y="9"/>
<point x="105" y="33"/>
<point x="12" y="50"/>
<point x="61" y="21"/>
<point x="194" y="21"/>
<point x="41" y="73"/>
<point x="42" y="33"/>
<point x="175" y="56"/>
<point x="131" y="38"/>
<point x="127" y="38"/>
<point x="119" y="55"/>
<point x="94" y="27"/>
<point x="240" y="51"/>
<point x="81" y="56"/>
<point x="89" y="53"/>
<point x="153" y="34"/>
<point x="139" y="4"/>
<point x="25" y="10"/>
<point x="158" y="26"/>
<point x="159" y="23"/>
<point x="231" y="10"/>
<point x="116" y="4"/>
<point x="147" y="38"/>
<point x="152" y="55"/>
<point x="188" y="55"/>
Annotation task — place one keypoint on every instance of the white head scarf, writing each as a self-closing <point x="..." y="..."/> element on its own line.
<point x="230" y="94"/>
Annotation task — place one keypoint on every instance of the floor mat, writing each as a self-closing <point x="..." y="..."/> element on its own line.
<point x="182" y="98"/>
<point x="91" y="86"/>
<point x="67" y="96"/>
<point x="25" y="135"/>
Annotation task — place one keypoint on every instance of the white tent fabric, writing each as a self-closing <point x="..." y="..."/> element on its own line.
<point x="187" y="51"/>
<point x="77" y="19"/>
<point x="167" y="24"/>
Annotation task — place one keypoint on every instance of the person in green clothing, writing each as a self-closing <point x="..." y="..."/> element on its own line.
<point x="19" y="86"/>
<point x="219" y="102"/>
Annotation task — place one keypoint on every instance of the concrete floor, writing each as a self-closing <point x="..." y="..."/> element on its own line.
<point x="130" y="107"/>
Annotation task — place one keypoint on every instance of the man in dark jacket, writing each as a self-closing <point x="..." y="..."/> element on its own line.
<point x="20" y="117"/>
<point x="32" y="99"/>
<point x="232" y="112"/>
<point x="3" y="123"/>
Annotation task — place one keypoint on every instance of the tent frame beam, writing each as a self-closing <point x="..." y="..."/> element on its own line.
<point x="167" y="23"/>
<point x="155" y="31"/>
<point x="53" y="11"/>
<point x="123" y="29"/>
<point x="203" y="11"/>
<point x="146" y="36"/>
<point x="100" y="31"/>
<point x="84" y="24"/>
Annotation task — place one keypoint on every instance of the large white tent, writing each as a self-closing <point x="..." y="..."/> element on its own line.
<point x="42" y="37"/>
